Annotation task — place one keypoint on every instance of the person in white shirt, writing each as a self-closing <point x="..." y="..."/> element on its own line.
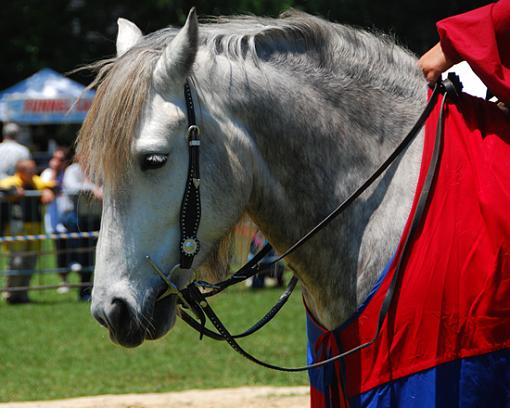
<point x="52" y="220"/>
<point x="81" y="215"/>
<point x="11" y="152"/>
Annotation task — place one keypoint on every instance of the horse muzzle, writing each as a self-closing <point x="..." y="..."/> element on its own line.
<point x="127" y="326"/>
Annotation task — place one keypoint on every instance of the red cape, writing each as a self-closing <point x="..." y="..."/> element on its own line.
<point x="482" y="38"/>
<point x="453" y="299"/>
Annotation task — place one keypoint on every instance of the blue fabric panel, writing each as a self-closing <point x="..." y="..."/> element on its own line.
<point x="322" y="378"/>
<point x="481" y="381"/>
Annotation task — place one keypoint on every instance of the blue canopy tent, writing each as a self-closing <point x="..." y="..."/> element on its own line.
<point x="46" y="97"/>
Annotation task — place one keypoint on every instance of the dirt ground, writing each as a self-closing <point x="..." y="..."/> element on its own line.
<point x="244" y="397"/>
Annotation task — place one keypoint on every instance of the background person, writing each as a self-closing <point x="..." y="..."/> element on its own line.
<point x="274" y="272"/>
<point x="26" y="220"/>
<point x="52" y="218"/>
<point x="11" y="151"/>
<point x="81" y="214"/>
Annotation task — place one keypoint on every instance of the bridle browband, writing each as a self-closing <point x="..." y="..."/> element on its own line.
<point x="194" y="296"/>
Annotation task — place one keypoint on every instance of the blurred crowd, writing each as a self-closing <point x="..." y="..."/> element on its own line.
<point x="48" y="200"/>
<point x="55" y="197"/>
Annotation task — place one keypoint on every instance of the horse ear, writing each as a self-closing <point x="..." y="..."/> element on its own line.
<point x="175" y="63"/>
<point x="128" y="35"/>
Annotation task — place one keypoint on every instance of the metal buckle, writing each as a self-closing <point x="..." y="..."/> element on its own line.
<point x="193" y="129"/>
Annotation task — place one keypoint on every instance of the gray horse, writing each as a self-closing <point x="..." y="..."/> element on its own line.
<point x="295" y="113"/>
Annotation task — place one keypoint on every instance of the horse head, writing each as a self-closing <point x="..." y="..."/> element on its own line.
<point x="294" y="113"/>
<point x="134" y="140"/>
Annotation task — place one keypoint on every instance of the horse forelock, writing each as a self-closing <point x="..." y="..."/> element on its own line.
<point x="106" y="136"/>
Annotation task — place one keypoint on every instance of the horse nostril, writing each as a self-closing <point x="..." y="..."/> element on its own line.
<point x="118" y="313"/>
<point x="113" y="316"/>
<point x="121" y="320"/>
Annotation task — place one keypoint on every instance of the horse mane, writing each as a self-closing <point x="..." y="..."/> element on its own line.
<point x="258" y="39"/>
<point x="296" y="41"/>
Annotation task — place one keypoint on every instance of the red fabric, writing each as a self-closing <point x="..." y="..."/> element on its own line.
<point x="482" y="38"/>
<point x="453" y="299"/>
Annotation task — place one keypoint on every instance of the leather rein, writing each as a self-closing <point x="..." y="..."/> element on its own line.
<point x="194" y="296"/>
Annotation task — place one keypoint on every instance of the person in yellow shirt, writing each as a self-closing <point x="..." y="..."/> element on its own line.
<point x="25" y="219"/>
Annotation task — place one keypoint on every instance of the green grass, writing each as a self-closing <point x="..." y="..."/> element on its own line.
<point x="53" y="349"/>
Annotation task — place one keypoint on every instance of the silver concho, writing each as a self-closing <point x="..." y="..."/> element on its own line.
<point x="189" y="246"/>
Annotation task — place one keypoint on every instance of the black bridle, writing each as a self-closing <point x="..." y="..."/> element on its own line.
<point x="194" y="296"/>
<point x="190" y="206"/>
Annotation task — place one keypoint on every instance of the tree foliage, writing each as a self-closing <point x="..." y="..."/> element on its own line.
<point x="64" y="34"/>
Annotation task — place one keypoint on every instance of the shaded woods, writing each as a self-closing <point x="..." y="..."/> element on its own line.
<point x="64" y="34"/>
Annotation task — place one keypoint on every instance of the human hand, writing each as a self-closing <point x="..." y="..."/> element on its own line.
<point x="47" y="196"/>
<point x="19" y="192"/>
<point x="433" y="63"/>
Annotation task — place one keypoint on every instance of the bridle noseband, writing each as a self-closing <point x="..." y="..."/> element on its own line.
<point x="194" y="296"/>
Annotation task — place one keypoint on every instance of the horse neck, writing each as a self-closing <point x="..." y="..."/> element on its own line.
<point x="311" y="147"/>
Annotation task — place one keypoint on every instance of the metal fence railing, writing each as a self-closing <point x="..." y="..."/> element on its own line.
<point x="39" y="240"/>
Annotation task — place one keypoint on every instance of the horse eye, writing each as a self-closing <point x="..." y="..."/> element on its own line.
<point x="153" y="161"/>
